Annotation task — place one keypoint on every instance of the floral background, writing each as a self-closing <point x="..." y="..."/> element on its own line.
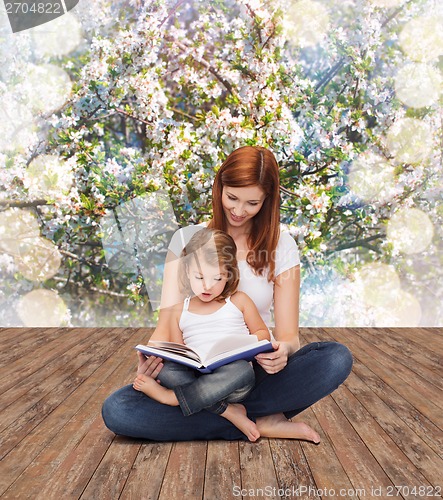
<point x="115" y="117"/>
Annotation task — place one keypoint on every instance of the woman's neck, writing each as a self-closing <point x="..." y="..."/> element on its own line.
<point x="240" y="232"/>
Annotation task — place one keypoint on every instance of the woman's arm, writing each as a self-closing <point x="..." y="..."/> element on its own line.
<point x="170" y="298"/>
<point x="151" y="365"/>
<point x="167" y="323"/>
<point x="253" y="320"/>
<point x="286" y="317"/>
<point x="286" y="307"/>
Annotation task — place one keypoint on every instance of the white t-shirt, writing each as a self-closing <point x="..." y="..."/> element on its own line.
<point x="259" y="289"/>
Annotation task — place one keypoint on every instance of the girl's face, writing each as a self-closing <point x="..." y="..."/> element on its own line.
<point x="241" y="204"/>
<point x="207" y="281"/>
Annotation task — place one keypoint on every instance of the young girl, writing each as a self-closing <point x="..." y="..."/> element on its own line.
<point x="209" y="271"/>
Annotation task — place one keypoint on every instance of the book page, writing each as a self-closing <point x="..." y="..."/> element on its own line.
<point x="229" y="343"/>
<point x="173" y="347"/>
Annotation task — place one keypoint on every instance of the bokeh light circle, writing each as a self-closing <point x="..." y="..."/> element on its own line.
<point x="17" y="125"/>
<point x="410" y="230"/>
<point x="409" y="140"/>
<point x="17" y="226"/>
<point x="401" y="310"/>
<point x="371" y="177"/>
<point x="42" y="308"/>
<point x="418" y="85"/>
<point x="307" y="22"/>
<point x="380" y="283"/>
<point x="48" y="87"/>
<point x="48" y="176"/>
<point x="60" y="37"/>
<point x="38" y="259"/>
<point x="422" y="38"/>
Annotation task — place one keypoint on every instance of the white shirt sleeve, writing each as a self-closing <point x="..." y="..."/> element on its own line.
<point x="287" y="255"/>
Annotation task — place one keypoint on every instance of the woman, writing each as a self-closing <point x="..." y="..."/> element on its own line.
<point x="245" y="200"/>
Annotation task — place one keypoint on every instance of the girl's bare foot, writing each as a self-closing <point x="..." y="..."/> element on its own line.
<point x="236" y="414"/>
<point x="153" y="389"/>
<point x="278" y="426"/>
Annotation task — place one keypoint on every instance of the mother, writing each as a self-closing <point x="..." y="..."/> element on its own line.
<point x="245" y="202"/>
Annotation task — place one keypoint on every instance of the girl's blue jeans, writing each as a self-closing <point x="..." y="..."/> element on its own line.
<point x="210" y="391"/>
<point x="312" y="373"/>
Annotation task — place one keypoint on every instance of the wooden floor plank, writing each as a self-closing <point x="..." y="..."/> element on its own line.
<point x="93" y="390"/>
<point x="222" y="474"/>
<point x="257" y="469"/>
<point x="112" y="473"/>
<point x="10" y="337"/>
<point x="428" y="339"/>
<point x="146" y="476"/>
<point x="361" y="467"/>
<point x="22" y="416"/>
<point x="408" y="342"/>
<point x="425" y="397"/>
<point x="293" y="473"/>
<point x="382" y="427"/>
<point x="43" y="365"/>
<point x="369" y="408"/>
<point x="72" y="476"/>
<point x="185" y="474"/>
<point x="327" y="471"/>
<point x="23" y="347"/>
<point x="407" y="355"/>
<point x="403" y="412"/>
<point x="394" y="462"/>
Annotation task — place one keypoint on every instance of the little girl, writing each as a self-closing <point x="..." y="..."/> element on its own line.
<point x="208" y="270"/>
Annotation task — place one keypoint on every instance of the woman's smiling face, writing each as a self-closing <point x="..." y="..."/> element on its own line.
<point x="241" y="204"/>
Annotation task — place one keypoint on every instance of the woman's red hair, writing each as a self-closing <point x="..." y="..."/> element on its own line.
<point x="244" y="167"/>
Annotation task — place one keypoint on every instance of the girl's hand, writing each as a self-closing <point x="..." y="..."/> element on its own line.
<point x="273" y="362"/>
<point x="149" y="366"/>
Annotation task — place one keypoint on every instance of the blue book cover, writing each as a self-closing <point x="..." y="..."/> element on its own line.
<point x="231" y="348"/>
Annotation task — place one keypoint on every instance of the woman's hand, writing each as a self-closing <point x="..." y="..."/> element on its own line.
<point x="273" y="362"/>
<point x="149" y="366"/>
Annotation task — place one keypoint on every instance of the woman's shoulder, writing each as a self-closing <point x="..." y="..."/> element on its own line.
<point x="286" y="239"/>
<point x="286" y="255"/>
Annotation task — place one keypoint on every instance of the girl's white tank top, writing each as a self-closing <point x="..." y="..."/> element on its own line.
<point x="200" y="331"/>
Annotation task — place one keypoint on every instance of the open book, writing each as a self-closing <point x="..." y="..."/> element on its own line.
<point x="230" y="348"/>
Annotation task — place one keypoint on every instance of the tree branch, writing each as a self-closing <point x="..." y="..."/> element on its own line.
<point x="358" y="243"/>
<point x="204" y="63"/>
<point x="93" y="288"/>
<point x="22" y="204"/>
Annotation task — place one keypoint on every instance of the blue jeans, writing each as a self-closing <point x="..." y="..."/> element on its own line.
<point x="312" y="373"/>
<point x="210" y="391"/>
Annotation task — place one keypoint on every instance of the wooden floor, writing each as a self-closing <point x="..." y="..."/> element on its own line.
<point x="382" y="431"/>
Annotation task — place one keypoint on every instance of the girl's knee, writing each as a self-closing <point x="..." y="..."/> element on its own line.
<point x="173" y="374"/>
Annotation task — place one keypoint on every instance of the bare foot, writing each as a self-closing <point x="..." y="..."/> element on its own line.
<point x="153" y="389"/>
<point x="236" y="414"/>
<point x="278" y="426"/>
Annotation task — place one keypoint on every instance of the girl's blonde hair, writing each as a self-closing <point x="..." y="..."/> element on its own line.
<point x="213" y="247"/>
<point x="252" y="166"/>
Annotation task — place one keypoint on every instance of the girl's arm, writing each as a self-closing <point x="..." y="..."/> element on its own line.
<point x="286" y="316"/>
<point x="253" y="320"/>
